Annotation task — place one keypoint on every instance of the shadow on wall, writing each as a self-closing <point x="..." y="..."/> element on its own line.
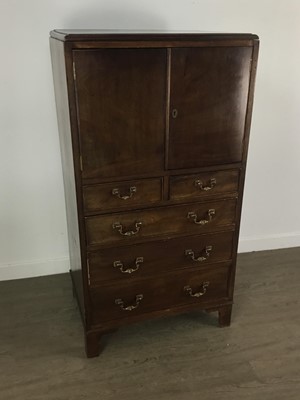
<point x="112" y="15"/>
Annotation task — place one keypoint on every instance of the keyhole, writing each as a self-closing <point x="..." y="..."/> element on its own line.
<point x="174" y="113"/>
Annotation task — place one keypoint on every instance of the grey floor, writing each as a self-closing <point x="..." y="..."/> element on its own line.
<point x="183" y="357"/>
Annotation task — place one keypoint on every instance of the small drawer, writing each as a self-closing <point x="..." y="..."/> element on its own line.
<point x="144" y="260"/>
<point x="108" y="196"/>
<point x="204" y="184"/>
<point x="162" y="292"/>
<point x="135" y="226"/>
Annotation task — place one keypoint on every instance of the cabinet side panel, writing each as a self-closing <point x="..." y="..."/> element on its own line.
<point x="63" y="116"/>
<point x="248" y="117"/>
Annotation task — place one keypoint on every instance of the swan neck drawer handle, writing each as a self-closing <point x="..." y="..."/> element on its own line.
<point x="199" y="184"/>
<point x="116" y="192"/>
<point x="202" y="291"/>
<point x="124" y="270"/>
<point x="189" y="253"/>
<point x="211" y="213"/>
<point x="119" y="228"/>
<point x="138" y="299"/>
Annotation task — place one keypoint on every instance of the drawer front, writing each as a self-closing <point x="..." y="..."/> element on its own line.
<point x="123" y="301"/>
<point x="122" y="194"/>
<point x="174" y="220"/>
<point x="203" y="184"/>
<point x="146" y="259"/>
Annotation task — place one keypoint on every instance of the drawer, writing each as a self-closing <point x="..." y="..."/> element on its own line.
<point x="204" y="184"/>
<point x="117" y="195"/>
<point x="123" y="301"/>
<point x="173" y="220"/>
<point x="148" y="259"/>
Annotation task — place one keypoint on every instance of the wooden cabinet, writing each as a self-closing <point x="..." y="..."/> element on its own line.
<point x="154" y="131"/>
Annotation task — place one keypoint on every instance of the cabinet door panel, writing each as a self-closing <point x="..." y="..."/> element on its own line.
<point x="209" y="92"/>
<point x="121" y="110"/>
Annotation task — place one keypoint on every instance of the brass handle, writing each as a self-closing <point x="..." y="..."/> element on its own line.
<point x="119" y="228"/>
<point x="211" y="213"/>
<point x="199" y="184"/>
<point x="119" y="264"/>
<point x="191" y="254"/>
<point x="116" y="192"/>
<point x="189" y="290"/>
<point x="120" y="302"/>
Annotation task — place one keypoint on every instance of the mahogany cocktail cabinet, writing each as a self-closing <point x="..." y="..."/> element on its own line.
<point x="154" y="131"/>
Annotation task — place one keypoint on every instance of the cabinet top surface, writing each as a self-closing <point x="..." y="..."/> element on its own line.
<point x="115" y="34"/>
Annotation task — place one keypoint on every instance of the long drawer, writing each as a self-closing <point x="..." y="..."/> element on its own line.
<point x="149" y="259"/>
<point x="196" y="287"/>
<point x="173" y="220"/>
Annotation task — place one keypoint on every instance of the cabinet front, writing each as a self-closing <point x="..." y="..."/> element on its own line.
<point x="208" y="103"/>
<point x="121" y="101"/>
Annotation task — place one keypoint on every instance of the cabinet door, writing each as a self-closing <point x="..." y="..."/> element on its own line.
<point x="208" y="102"/>
<point x="120" y="97"/>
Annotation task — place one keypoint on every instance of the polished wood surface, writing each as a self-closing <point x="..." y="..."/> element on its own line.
<point x="122" y="195"/>
<point x="160" y="293"/>
<point x="148" y="259"/>
<point x="203" y="184"/>
<point x="159" y="222"/>
<point x="209" y="92"/>
<point x="120" y="99"/>
<point x="157" y="136"/>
